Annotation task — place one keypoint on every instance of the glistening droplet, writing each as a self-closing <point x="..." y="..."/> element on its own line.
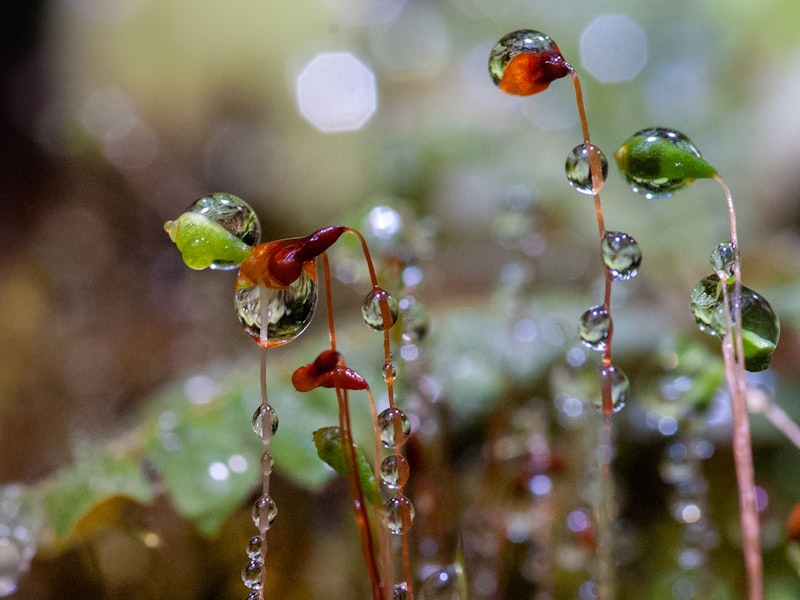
<point x="373" y="306"/>
<point x="253" y="574"/>
<point x="525" y="62"/>
<point x="264" y="512"/>
<point x="621" y="255"/>
<point x="614" y="379"/>
<point x="394" y="427"/>
<point x="394" y="471"/>
<point x="594" y="327"/>
<point x="216" y="231"/>
<point x="399" y="514"/>
<point x="400" y="591"/>
<point x="657" y="162"/>
<point x="258" y="421"/>
<point x="290" y="309"/>
<point x="255" y="546"/>
<point x="723" y="258"/>
<point x="578" y="168"/>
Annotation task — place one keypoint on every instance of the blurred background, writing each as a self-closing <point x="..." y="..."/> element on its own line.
<point x="117" y="114"/>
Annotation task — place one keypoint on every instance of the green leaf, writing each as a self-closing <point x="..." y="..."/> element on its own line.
<point x="203" y="241"/>
<point x="329" y="447"/>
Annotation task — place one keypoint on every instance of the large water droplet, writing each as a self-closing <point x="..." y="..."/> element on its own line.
<point x="657" y="162"/>
<point x="395" y="471"/>
<point x="594" y="327"/>
<point x="618" y="383"/>
<point x="216" y="231"/>
<point x="445" y="583"/>
<point x="372" y="309"/>
<point x="253" y="574"/>
<point x="578" y="168"/>
<point x="723" y="258"/>
<point x="621" y="255"/>
<point x="399" y="514"/>
<point x="290" y="310"/>
<point x="258" y="422"/>
<point x="394" y="427"/>
<point x="524" y="62"/>
<point x="264" y="511"/>
<point x="760" y="325"/>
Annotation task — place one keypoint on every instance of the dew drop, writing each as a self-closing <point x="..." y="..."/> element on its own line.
<point x="443" y="584"/>
<point x="216" y="231"/>
<point x="595" y="327"/>
<point x="760" y="325"/>
<point x="254" y="595"/>
<point x="578" y="168"/>
<point x="372" y="311"/>
<point x="399" y="514"/>
<point x="255" y="547"/>
<point x="657" y="162"/>
<point x="723" y="258"/>
<point x="400" y="591"/>
<point x="258" y="420"/>
<point x="618" y="380"/>
<point x="621" y="255"/>
<point x="525" y="62"/>
<point x="290" y="310"/>
<point x="267" y="460"/>
<point x="253" y="574"/>
<point x="394" y="427"/>
<point x="394" y="471"/>
<point x="389" y="371"/>
<point x="264" y="511"/>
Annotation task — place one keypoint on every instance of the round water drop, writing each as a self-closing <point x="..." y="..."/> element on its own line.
<point x="619" y="385"/>
<point x="657" y="162"/>
<point x="578" y="168"/>
<point x="290" y="310"/>
<point x="395" y="471"/>
<point x="259" y="417"/>
<point x="255" y="547"/>
<point x="400" y="591"/>
<point x="253" y="574"/>
<point x="264" y="512"/>
<point x="621" y="255"/>
<point x="723" y="258"/>
<point x="389" y="371"/>
<point x="760" y="325"/>
<point x="399" y="514"/>
<point x="267" y="460"/>
<point x="443" y="584"/>
<point x="372" y="309"/>
<point x="525" y="62"/>
<point x="216" y="231"/>
<point x="394" y="427"/>
<point x="595" y="327"/>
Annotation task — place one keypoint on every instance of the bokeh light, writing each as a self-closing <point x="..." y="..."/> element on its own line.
<point x="613" y="48"/>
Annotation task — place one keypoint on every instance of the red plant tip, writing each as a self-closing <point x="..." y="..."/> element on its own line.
<point x="793" y="525"/>
<point x="329" y="371"/>
<point x="529" y="73"/>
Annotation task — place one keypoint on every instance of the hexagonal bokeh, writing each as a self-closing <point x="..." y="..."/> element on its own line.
<point x="613" y="48"/>
<point x="336" y="92"/>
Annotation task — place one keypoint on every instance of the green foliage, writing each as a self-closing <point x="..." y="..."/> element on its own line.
<point x="328" y="441"/>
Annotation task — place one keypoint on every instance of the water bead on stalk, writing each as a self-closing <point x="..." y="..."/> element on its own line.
<point x="394" y="427"/>
<point x="619" y="384"/>
<point x="394" y="471"/>
<point x="253" y="574"/>
<point x="621" y="255"/>
<point x="217" y="231"/>
<point x="399" y="514"/>
<point x="595" y="327"/>
<point x="578" y="169"/>
<point x="760" y="326"/>
<point x="264" y="511"/>
<point x="258" y="421"/>
<point x="724" y="258"/>
<point x="372" y="309"/>
<point x="525" y="62"/>
<point x="657" y="162"/>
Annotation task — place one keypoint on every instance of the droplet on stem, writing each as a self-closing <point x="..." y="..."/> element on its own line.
<point x="394" y="426"/>
<point x="621" y="255"/>
<point x="217" y="231"/>
<point x="723" y="258"/>
<point x="264" y="511"/>
<point x="255" y="546"/>
<point x="395" y="471"/>
<point x="258" y="422"/>
<point x="400" y="591"/>
<point x="657" y="162"/>
<point x="399" y="514"/>
<point x="618" y="383"/>
<point x="372" y="309"/>
<point x="594" y="327"/>
<point x="578" y="168"/>
<point x="253" y="574"/>
<point x="525" y="62"/>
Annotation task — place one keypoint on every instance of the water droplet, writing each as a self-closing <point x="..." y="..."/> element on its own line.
<point x="443" y="584"/>
<point x="389" y="371"/>
<point x="290" y="309"/>
<point x="400" y="591"/>
<point x="394" y="427"/>
<point x="525" y="62"/>
<point x="258" y="420"/>
<point x="255" y="546"/>
<point x="399" y="514"/>
<point x="372" y="309"/>
<point x="621" y="255"/>
<point x="578" y="168"/>
<point x="395" y="471"/>
<point x="264" y="508"/>
<point x="253" y="574"/>
<point x="267" y="460"/>
<point x="723" y="258"/>
<point x="618" y="380"/>
<point x="254" y="595"/>
<point x="657" y="162"/>
<point x="216" y="231"/>
<point x="760" y="325"/>
<point x="594" y="327"/>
